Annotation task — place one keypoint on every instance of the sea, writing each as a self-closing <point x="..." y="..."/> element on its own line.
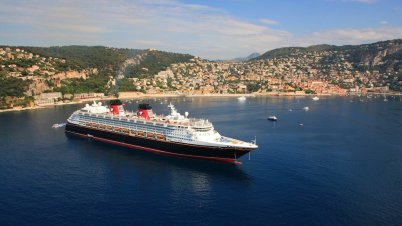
<point x="339" y="163"/>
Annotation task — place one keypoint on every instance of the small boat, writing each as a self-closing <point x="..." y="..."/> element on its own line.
<point x="151" y="135"/>
<point x="306" y="109"/>
<point x="316" y="98"/>
<point x="58" y="125"/>
<point x="242" y="98"/>
<point x="272" y="118"/>
<point x="160" y="136"/>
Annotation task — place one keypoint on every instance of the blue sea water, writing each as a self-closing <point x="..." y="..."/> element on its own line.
<point x="342" y="167"/>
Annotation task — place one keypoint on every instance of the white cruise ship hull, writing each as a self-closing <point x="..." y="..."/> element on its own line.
<point x="159" y="145"/>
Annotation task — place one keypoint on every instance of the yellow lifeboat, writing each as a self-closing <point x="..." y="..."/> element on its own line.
<point x="150" y="135"/>
<point x="160" y="136"/>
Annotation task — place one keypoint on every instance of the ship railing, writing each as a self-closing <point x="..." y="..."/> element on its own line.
<point x="200" y="122"/>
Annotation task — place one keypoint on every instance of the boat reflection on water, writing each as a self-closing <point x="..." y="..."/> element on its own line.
<point x="124" y="161"/>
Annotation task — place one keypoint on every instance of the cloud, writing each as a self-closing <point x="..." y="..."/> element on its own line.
<point x="148" y="43"/>
<point x="269" y="21"/>
<point x="167" y="24"/>
<point x="352" y="36"/>
<point x="49" y="16"/>
<point x="163" y="24"/>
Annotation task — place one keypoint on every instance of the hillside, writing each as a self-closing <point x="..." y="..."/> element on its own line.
<point x="249" y="57"/>
<point x="82" y="57"/>
<point x="383" y="56"/>
<point x="29" y="71"/>
<point x="154" y="61"/>
<point x="369" y="65"/>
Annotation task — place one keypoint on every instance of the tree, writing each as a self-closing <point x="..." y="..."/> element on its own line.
<point x="24" y="73"/>
<point x="309" y="91"/>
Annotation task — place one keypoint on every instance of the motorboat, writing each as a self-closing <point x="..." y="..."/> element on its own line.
<point x="242" y="98"/>
<point x="272" y="118"/>
<point x="58" y="125"/>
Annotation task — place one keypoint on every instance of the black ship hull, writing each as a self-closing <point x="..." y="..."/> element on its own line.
<point x="225" y="154"/>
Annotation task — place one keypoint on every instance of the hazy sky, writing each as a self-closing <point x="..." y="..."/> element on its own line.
<point x="213" y="29"/>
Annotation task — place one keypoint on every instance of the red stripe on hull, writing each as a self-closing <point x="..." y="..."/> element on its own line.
<point x="155" y="150"/>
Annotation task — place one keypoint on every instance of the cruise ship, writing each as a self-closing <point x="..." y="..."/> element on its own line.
<point x="174" y="134"/>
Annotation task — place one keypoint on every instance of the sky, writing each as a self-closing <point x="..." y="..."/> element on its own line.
<point x="211" y="29"/>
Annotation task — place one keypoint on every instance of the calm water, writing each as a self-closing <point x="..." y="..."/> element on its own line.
<point x="343" y="167"/>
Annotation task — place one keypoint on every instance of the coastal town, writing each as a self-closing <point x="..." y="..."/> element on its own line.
<point x="315" y="72"/>
<point x="299" y="73"/>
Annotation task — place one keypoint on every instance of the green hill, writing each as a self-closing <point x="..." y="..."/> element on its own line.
<point x="155" y="61"/>
<point x="82" y="57"/>
<point x="17" y="62"/>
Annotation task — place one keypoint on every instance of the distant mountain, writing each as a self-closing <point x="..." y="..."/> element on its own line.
<point x="251" y="56"/>
<point x="240" y="59"/>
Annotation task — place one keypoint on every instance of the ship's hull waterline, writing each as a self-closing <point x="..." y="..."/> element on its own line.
<point x="159" y="146"/>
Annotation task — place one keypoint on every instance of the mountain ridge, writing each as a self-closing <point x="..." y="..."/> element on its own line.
<point x="284" y="51"/>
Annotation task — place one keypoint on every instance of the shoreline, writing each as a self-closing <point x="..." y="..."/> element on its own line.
<point x="134" y="95"/>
